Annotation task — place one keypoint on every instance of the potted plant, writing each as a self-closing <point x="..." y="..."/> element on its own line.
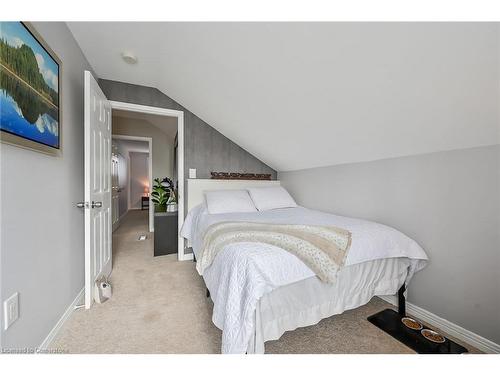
<point x="160" y="195"/>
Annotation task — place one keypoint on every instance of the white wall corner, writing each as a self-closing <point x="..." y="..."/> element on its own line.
<point x="447" y="327"/>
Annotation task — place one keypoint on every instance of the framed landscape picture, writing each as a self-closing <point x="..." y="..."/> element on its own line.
<point x="30" y="95"/>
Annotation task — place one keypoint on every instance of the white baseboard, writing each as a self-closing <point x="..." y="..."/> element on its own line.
<point x="119" y="221"/>
<point x="189" y="256"/>
<point x="448" y="327"/>
<point x="53" y="333"/>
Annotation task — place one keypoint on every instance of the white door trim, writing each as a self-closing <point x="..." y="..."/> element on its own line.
<point x="180" y="160"/>
<point x="150" y="170"/>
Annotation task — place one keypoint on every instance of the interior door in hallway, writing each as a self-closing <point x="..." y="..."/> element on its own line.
<point x="115" y="188"/>
<point x="98" y="215"/>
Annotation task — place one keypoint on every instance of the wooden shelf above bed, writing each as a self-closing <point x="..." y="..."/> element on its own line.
<point x="240" y="176"/>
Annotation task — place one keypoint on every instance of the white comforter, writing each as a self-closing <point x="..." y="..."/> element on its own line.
<point x="242" y="273"/>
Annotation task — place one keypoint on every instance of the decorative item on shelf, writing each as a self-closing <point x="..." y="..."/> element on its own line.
<point x="146" y="191"/>
<point x="172" y="201"/>
<point x="240" y="176"/>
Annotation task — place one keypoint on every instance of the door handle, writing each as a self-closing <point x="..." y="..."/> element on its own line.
<point x="96" y="204"/>
<point x="82" y="205"/>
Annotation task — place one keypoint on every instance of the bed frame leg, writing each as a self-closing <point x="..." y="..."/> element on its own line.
<point x="208" y="293"/>
<point x="401" y="301"/>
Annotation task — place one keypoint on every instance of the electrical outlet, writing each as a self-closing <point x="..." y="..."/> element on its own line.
<point x="11" y="310"/>
<point x="192" y="172"/>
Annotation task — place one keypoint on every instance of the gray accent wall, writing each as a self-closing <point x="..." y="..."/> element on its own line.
<point x="42" y="231"/>
<point x="204" y="147"/>
<point x="449" y="202"/>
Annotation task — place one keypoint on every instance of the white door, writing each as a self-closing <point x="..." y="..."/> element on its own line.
<point x="97" y="186"/>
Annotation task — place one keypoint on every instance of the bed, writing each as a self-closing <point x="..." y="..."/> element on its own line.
<point x="260" y="291"/>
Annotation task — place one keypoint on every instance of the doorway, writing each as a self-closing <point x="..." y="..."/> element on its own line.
<point x="137" y="112"/>
<point x="97" y="181"/>
<point x="131" y="177"/>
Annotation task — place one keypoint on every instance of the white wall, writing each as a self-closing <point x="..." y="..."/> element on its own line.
<point x="448" y="202"/>
<point x="124" y="147"/>
<point x="42" y="239"/>
<point x="123" y="183"/>
<point x="163" y="146"/>
<point x="139" y="177"/>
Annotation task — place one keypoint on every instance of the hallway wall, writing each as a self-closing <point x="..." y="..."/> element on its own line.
<point x="123" y="183"/>
<point x="139" y="178"/>
<point x="163" y="145"/>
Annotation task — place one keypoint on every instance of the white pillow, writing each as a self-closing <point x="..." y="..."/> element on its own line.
<point x="270" y="198"/>
<point x="227" y="201"/>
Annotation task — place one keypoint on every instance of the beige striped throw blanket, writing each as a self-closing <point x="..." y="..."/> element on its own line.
<point x="323" y="249"/>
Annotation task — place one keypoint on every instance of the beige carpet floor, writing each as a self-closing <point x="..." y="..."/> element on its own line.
<point x="159" y="306"/>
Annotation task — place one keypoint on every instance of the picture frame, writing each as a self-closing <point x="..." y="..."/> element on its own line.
<point x="31" y="102"/>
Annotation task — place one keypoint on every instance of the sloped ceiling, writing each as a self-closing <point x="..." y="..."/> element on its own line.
<point x="305" y="95"/>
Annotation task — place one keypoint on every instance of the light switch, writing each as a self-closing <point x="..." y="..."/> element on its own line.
<point x="192" y="172"/>
<point x="11" y="310"/>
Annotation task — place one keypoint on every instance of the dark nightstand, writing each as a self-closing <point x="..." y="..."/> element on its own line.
<point x="144" y="202"/>
<point x="166" y="238"/>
